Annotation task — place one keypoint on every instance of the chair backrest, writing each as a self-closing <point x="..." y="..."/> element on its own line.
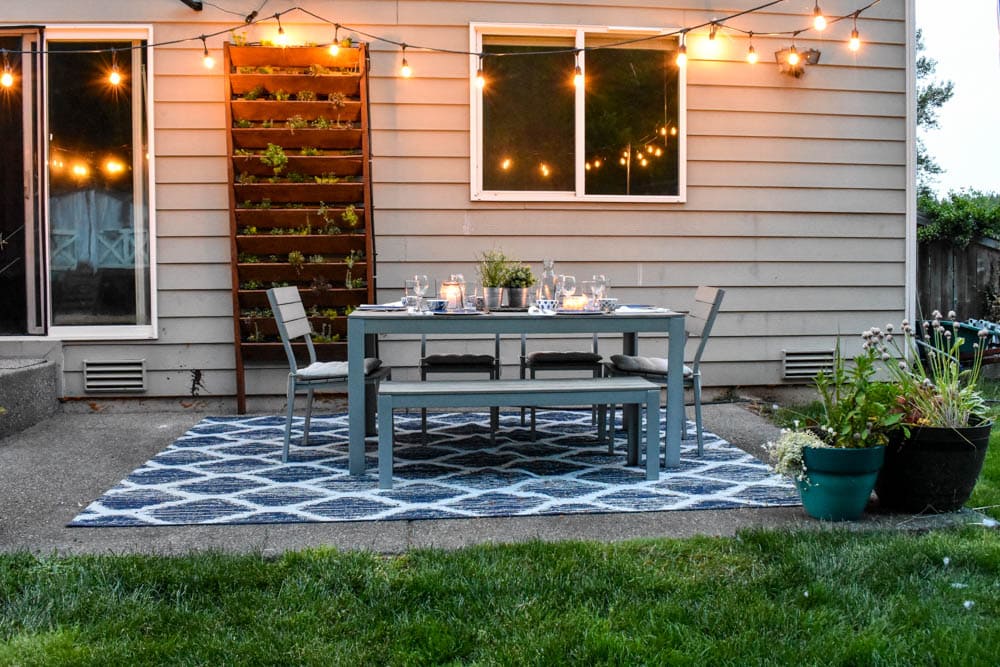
<point x="290" y="316"/>
<point x="700" y="319"/>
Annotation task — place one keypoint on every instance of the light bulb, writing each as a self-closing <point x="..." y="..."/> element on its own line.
<point x="622" y="161"/>
<point x="819" y="21"/>
<point x="586" y="166"/>
<point x="506" y="164"/>
<point x="597" y="163"/>
<point x="6" y="79"/>
<point x="404" y="70"/>
<point x="334" y="49"/>
<point x="793" y="56"/>
<point x="577" y="77"/>
<point x="115" y="77"/>
<point x="752" y="55"/>
<point x="682" y="56"/>
<point x="480" y="79"/>
<point x="855" y="42"/>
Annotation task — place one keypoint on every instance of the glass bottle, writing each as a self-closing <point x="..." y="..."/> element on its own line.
<point x="547" y="284"/>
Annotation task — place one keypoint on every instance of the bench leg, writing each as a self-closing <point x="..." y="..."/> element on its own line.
<point x="385" y="438"/>
<point x="653" y="435"/>
<point x="631" y="416"/>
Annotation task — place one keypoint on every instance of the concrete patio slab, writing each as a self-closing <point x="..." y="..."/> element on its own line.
<point x="52" y="470"/>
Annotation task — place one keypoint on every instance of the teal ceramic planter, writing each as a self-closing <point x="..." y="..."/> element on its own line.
<point x="839" y="482"/>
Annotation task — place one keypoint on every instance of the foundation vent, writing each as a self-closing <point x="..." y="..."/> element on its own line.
<point x="803" y="365"/>
<point x="121" y="376"/>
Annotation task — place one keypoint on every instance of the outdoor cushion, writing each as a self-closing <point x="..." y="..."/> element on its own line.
<point x="333" y="369"/>
<point x="563" y="358"/>
<point x="650" y="365"/>
<point x="458" y="360"/>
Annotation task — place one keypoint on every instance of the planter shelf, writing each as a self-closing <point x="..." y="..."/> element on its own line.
<point x="256" y="77"/>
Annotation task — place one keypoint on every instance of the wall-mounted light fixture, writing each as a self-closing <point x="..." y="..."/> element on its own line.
<point x="793" y="62"/>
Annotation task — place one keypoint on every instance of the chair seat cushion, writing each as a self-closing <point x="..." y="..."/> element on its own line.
<point x="335" y="369"/>
<point x="485" y="360"/>
<point x="646" y="365"/>
<point x="546" y="358"/>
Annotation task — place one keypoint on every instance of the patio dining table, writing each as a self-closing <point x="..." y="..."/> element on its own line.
<point x="363" y="326"/>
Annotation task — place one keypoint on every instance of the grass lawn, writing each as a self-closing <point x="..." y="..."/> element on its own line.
<point x="829" y="597"/>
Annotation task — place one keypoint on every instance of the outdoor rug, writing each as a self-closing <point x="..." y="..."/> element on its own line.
<point x="228" y="470"/>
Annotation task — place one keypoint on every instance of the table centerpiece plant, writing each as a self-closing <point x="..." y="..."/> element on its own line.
<point x="493" y="267"/>
<point x="835" y="458"/>
<point x="933" y="461"/>
<point x="517" y="281"/>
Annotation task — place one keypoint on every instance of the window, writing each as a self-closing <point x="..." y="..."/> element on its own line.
<point x="98" y="186"/>
<point x="538" y="137"/>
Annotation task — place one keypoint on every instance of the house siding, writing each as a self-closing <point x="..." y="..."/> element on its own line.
<point x="796" y="201"/>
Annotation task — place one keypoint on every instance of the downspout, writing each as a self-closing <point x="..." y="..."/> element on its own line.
<point x="910" y="266"/>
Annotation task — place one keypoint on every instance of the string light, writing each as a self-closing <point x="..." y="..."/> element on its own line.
<point x="855" y="42"/>
<point x="506" y="164"/>
<point x="751" y="52"/>
<point x="404" y="68"/>
<point x="577" y="72"/>
<point x="544" y="168"/>
<point x="819" y="21"/>
<point x="682" y="53"/>
<point x="115" y="77"/>
<point x="207" y="60"/>
<point x="793" y="56"/>
<point x="7" y="78"/>
<point x="480" y="78"/>
<point x="282" y="39"/>
<point x="335" y="45"/>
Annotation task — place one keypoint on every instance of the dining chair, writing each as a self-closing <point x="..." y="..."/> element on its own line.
<point x="293" y="324"/>
<point x="461" y="363"/>
<point x="561" y="361"/>
<point x="698" y="322"/>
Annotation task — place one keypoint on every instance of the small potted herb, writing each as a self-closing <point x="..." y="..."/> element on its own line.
<point x="493" y="266"/>
<point x="517" y="281"/>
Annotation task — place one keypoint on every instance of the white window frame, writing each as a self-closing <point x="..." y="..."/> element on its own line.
<point x="579" y="33"/>
<point x="115" y="32"/>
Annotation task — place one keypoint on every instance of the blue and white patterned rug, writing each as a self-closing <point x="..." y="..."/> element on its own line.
<point x="228" y="470"/>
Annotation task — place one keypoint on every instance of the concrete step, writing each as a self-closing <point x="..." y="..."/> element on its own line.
<point x="29" y="393"/>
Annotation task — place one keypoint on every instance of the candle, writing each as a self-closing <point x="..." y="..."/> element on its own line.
<point x="451" y="291"/>
<point x="575" y="302"/>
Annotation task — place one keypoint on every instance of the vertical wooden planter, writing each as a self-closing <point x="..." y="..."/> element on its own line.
<point x="315" y="107"/>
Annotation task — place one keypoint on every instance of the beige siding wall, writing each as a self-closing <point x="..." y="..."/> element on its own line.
<point x="796" y="195"/>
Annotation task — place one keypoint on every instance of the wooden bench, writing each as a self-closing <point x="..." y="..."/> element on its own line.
<point x="528" y="393"/>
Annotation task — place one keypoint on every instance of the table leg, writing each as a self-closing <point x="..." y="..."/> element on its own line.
<point x="356" y="395"/>
<point x="385" y="442"/>
<point x="653" y="434"/>
<point x="633" y="425"/>
<point x="675" y="392"/>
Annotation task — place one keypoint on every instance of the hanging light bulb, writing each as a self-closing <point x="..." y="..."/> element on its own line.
<point x="577" y="72"/>
<point x="335" y="45"/>
<point x="793" y="56"/>
<point x="855" y="42"/>
<point x="712" y="46"/>
<point x="206" y="60"/>
<point x="682" y="53"/>
<point x="7" y="78"/>
<point x="282" y="39"/>
<point x="751" y="52"/>
<point x="404" y="68"/>
<point x="819" y="21"/>
<point x="115" y="77"/>
<point x="480" y="77"/>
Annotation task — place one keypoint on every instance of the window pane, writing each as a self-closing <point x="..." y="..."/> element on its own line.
<point x="631" y="122"/>
<point x="98" y="206"/>
<point x="528" y="118"/>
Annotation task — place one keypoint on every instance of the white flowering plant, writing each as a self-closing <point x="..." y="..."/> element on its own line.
<point x="935" y="388"/>
<point x="785" y="453"/>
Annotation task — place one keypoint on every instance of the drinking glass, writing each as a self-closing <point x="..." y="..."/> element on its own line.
<point x="588" y="289"/>
<point x="600" y="286"/>
<point x="421" y="284"/>
<point x="568" y="285"/>
<point x="411" y="298"/>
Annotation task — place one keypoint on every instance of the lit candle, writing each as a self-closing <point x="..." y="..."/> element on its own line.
<point x="451" y="291"/>
<point x="575" y="302"/>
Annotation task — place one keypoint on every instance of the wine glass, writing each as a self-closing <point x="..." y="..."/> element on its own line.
<point x="568" y="285"/>
<point x="599" y="286"/>
<point x="411" y="298"/>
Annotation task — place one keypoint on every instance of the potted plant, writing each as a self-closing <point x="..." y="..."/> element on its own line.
<point x="493" y="267"/>
<point x="836" y="460"/>
<point x="517" y="281"/>
<point x="933" y="462"/>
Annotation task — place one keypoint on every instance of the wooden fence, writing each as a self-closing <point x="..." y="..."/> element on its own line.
<point x="966" y="280"/>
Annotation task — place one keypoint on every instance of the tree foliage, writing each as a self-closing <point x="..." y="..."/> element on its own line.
<point x="960" y="217"/>
<point x="931" y="96"/>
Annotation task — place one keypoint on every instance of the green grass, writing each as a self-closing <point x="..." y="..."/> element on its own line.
<point x="829" y="597"/>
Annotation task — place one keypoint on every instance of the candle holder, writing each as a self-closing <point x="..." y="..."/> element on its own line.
<point x="452" y="293"/>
